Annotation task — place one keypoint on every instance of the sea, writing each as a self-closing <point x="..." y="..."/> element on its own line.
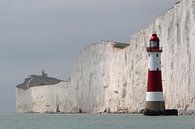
<point x="94" y="121"/>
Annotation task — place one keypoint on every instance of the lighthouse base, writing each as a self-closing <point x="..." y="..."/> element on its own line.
<point x="167" y="112"/>
<point x="154" y="108"/>
<point x="157" y="108"/>
<point x="153" y="113"/>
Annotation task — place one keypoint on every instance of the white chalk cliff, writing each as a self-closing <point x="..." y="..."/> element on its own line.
<point x="112" y="77"/>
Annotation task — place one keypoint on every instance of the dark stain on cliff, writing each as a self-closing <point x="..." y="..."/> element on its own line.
<point x="120" y="45"/>
<point x="124" y="90"/>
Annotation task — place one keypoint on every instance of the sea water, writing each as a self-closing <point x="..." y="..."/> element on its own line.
<point x="94" y="121"/>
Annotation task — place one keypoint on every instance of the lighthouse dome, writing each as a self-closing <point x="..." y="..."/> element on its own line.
<point x="154" y="37"/>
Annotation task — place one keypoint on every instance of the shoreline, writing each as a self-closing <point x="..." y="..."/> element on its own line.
<point x="180" y="113"/>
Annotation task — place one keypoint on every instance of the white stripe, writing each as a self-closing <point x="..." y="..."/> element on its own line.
<point x="154" y="61"/>
<point x="29" y="82"/>
<point x="154" y="96"/>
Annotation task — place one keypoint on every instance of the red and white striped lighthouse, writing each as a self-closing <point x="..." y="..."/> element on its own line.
<point x="155" y="104"/>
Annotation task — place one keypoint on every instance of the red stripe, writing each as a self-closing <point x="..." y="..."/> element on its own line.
<point x="154" y="81"/>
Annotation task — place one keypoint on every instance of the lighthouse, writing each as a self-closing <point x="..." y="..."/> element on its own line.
<point x="155" y="103"/>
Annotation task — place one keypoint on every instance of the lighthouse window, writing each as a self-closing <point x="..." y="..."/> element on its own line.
<point x="156" y="55"/>
<point x="153" y="44"/>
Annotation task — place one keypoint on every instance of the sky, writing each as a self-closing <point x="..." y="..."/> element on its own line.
<point x="48" y="34"/>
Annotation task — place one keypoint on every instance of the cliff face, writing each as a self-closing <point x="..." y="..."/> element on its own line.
<point x="100" y="77"/>
<point x="111" y="77"/>
<point x="177" y="34"/>
<point x="47" y="98"/>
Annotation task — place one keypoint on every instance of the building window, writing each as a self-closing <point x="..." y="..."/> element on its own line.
<point x="148" y="55"/>
<point x="156" y="55"/>
<point x="157" y="69"/>
<point x="153" y="44"/>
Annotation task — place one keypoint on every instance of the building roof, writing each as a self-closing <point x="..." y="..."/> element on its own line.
<point x="38" y="80"/>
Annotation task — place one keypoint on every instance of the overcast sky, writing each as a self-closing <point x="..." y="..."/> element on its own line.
<point x="48" y="34"/>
